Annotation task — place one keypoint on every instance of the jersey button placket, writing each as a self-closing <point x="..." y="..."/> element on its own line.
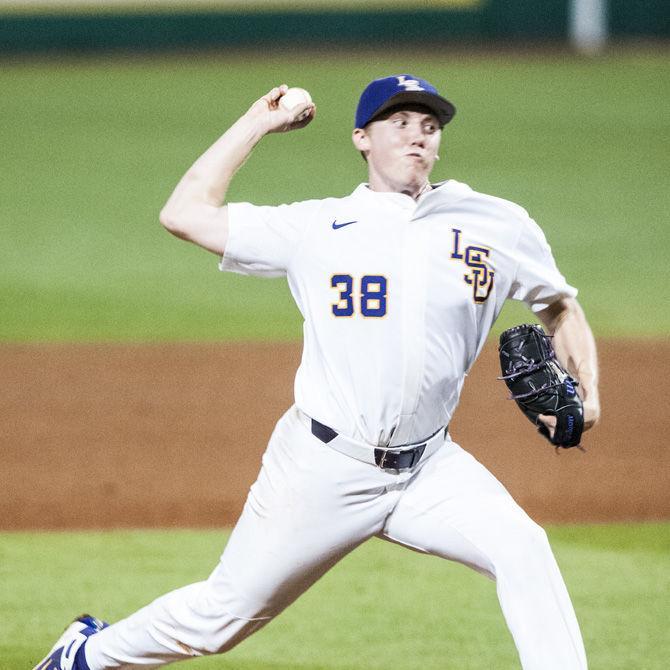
<point x="413" y="335"/>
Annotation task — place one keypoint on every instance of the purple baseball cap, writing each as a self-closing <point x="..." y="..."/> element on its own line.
<point x="382" y="94"/>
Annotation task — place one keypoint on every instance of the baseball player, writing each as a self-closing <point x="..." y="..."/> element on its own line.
<point x="398" y="284"/>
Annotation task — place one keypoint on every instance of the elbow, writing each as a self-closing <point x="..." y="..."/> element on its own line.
<point x="167" y="218"/>
<point x="558" y="312"/>
<point x="171" y="220"/>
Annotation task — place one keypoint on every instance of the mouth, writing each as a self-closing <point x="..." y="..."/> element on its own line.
<point x="415" y="154"/>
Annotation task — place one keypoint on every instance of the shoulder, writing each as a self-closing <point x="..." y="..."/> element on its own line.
<point x="487" y="204"/>
<point x="324" y="210"/>
<point x="298" y="208"/>
<point x="297" y="214"/>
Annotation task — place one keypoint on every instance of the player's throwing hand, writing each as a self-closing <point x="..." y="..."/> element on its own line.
<point x="275" y="118"/>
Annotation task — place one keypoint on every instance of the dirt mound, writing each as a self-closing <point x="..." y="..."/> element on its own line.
<point x="172" y="435"/>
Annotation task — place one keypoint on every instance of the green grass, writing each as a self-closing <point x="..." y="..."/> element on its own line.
<point x="618" y="576"/>
<point x="92" y="149"/>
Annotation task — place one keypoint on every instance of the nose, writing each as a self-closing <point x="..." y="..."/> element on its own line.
<point x="417" y="135"/>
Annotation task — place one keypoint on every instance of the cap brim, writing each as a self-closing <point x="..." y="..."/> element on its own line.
<point x="441" y="107"/>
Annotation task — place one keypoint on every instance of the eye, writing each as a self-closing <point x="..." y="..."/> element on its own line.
<point x="400" y="122"/>
<point x="430" y="128"/>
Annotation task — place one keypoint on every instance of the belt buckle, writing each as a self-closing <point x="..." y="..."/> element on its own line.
<point x="381" y="462"/>
<point x="389" y="458"/>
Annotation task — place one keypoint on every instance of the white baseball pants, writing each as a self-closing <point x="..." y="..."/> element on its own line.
<point x="312" y="505"/>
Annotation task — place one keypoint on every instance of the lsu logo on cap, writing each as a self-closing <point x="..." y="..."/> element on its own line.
<point x="382" y="94"/>
<point x="409" y="84"/>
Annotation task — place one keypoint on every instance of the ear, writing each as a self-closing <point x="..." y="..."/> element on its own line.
<point x="360" y="139"/>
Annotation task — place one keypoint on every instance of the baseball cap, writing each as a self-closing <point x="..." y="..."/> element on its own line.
<point x="382" y="94"/>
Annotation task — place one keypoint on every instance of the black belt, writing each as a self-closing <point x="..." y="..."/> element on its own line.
<point x="391" y="459"/>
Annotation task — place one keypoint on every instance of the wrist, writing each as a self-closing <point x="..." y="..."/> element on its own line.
<point x="588" y="381"/>
<point x="589" y="396"/>
<point x="251" y="128"/>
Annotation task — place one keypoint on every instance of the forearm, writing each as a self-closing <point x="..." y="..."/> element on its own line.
<point x="207" y="180"/>
<point x="575" y="348"/>
<point x="195" y="211"/>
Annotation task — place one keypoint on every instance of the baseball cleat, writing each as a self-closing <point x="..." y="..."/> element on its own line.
<point x="63" y="653"/>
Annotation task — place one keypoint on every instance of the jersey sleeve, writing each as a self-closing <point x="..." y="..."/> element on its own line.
<point x="262" y="239"/>
<point x="538" y="281"/>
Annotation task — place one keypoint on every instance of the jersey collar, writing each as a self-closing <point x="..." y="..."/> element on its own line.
<point x="449" y="189"/>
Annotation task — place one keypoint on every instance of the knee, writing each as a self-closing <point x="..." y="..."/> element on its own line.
<point x="247" y="594"/>
<point x="226" y="617"/>
<point x="522" y="544"/>
<point x="530" y="534"/>
<point x="237" y="601"/>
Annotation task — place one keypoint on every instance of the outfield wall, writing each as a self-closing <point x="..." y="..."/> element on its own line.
<point x="83" y="25"/>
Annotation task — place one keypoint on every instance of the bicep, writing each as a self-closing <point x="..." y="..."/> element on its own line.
<point x="202" y="224"/>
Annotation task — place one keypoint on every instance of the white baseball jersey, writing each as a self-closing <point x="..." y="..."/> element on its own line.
<point x="398" y="297"/>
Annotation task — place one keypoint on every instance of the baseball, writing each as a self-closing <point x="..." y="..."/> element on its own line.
<point x="293" y="97"/>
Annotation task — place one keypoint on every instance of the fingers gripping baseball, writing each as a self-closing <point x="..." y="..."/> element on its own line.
<point x="277" y="117"/>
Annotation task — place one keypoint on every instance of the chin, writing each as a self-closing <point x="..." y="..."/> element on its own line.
<point x="417" y="178"/>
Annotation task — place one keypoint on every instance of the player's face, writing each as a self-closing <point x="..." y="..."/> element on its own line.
<point x="401" y="148"/>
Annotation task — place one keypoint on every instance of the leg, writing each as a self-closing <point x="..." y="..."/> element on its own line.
<point x="309" y="507"/>
<point x="455" y="508"/>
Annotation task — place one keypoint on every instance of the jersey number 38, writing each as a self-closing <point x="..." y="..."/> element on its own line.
<point x="371" y="298"/>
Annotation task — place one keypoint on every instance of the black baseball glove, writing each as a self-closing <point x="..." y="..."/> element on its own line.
<point x="539" y="384"/>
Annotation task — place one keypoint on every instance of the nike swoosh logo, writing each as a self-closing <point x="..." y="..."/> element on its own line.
<point x="341" y="225"/>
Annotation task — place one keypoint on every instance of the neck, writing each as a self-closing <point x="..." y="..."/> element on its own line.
<point x="412" y="189"/>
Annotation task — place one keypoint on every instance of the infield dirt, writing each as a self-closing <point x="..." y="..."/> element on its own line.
<point x="102" y="436"/>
